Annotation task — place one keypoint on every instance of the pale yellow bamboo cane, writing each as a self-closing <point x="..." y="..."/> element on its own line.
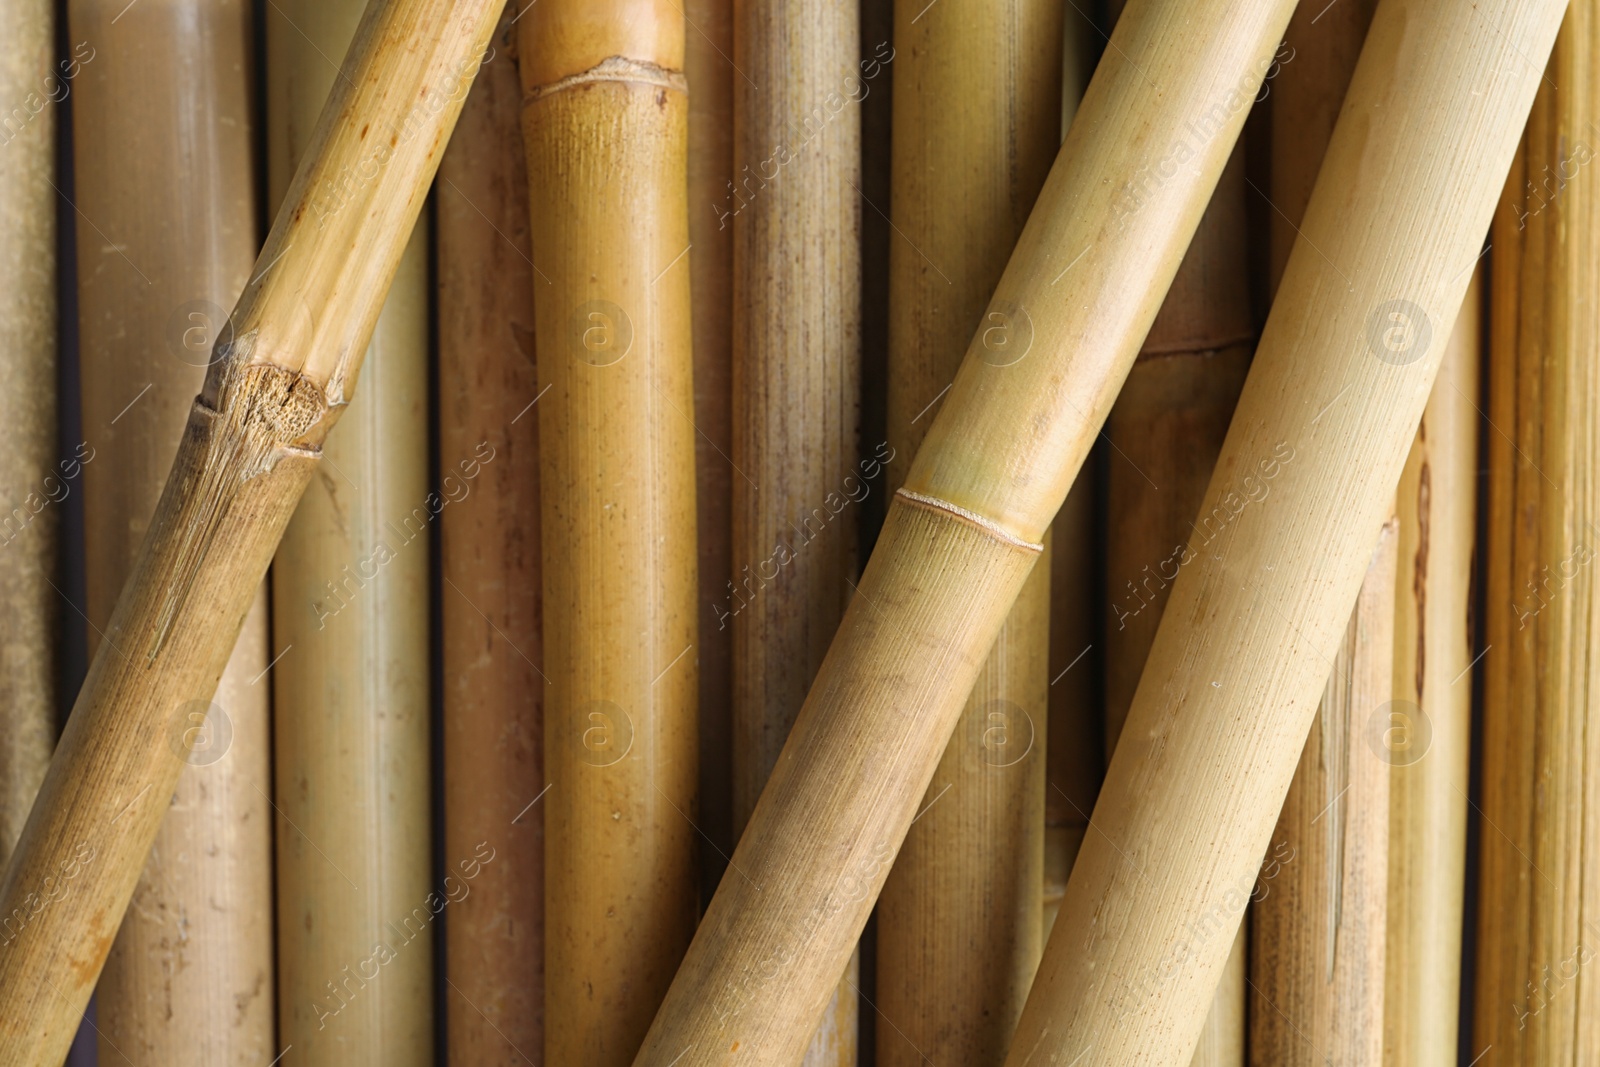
<point x="283" y="372"/>
<point x="31" y="483"/>
<point x="953" y="554"/>
<point x="489" y="549"/>
<point x="164" y="164"/>
<point x="978" y="85"/>
<point x="1537" y="934"/>
<point x="610" y="233"/>
<point x="350" y="637"/>
<point x="1317" y="959"/>
<point x="1338" y="385"/>
<point x="795" y="206"/>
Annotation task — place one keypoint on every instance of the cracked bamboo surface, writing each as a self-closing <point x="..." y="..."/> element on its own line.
<point x="796" y="218"/>
<point x="30" y="481"/>
<point x="961" y="537"/>
<point x="350" y="638"/>
<point x="1167" y="427"/>
<point x="1536" y="929"/>
<point x="164" y="164"/>
<point x="610" y="232"/>
<point x="492" y="635"/>
<point x="976" y="127"/>
<point x="1317" y="960"/>
<point x="251" y="445"/>
<point x="1333" y="399"/>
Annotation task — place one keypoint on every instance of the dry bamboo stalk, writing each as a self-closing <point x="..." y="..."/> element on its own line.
<point x="350" y="636"/>
<point x="610" y="233"/>
<point x="1318" y="441"/>
<point x="958" y="921"/>
<point x="1168" y="425"/>
<point x="30" y="480"/>
<point x="1536" y="932"/>
<point x="283" y="372"/>
<point x="1319" y="919"/>
<point x="708" y="66"/>
<point x="963" y="532"/>
<point x="164" y="165"/>
<point x="493" y="694"/>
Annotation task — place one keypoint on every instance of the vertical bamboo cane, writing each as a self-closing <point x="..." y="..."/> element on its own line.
<point x="1537" y="933"/>
<point x="1318" y="964"/>
<point x="708" y="66"/>
<point x="796" y="206"/>
<point x="610" y="232"/>
<point x="489" y="467"/>
<point x="977" y="122"/>
<point x="164" y="168"/>
<point x="350" y="627"/>
<point x="28" y="412"/>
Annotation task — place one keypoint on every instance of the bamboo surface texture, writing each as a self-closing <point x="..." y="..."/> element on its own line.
<point x="1333" y="399"/>
<point x="1166" y="430"/>
<point x="708" y="67"/>
<point x="610" y="232"/>
<point x="1321" y="898"/>
<point x="489" y="530"/>
<point x="280" y="379"/>
<point x="1536" y="927"/>
<point x="962" y="535"/>
<point x="31" y="483"/>
<point x="164" y="164"/>
<point x="356" y="899"/>
<point x="796" y="387"/>
<point x="976" y="126"/>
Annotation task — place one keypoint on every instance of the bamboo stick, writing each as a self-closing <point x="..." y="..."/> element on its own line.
<point x="932" y="600"/>
<point x="280" y="379"/>
<point x="1333" y="398"/>
<point x="489" y="465"/>
<point x="30" y="480"/>
<point x="796" y="386"/>
<point x="350" y="629"/>
<point x="958" y="921"/>
<point x="1536" y="933"/>
<point x="1319" y="918"/>
<point x="610" y="232"/>
<point x="708" y="67"/>
<point x="164" y="166"/>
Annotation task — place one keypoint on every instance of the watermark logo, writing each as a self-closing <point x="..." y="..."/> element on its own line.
<point x="200" y="733"/>
<point x="1004" y="733"/>
<point x="1398" y="733"/>
<point x="1399" y="332"/>
<point x="194" y="330"/>
<point x="605" y="731"/>
<point x="600" y="333"/>
<point x="1006" y="334"/>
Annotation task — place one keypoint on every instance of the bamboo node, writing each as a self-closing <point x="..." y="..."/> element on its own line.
<point x="615" y="69"/>
<point x="989" y="526"/>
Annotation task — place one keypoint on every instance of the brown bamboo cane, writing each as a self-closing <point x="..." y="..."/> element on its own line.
<point x="958" y="921"/>
<point x="493" y="692"/>
<point x="31" y="81"/>
<point x="1317" y="964"/>
<point x="610" y="232"/>
<point x="1166" y="430"/>
<point x="963" y="533"/>
<point x="795" y="203"/>
<point x="164" y="171"/>
<point x="1536" y="933"/>
<point x="1337" y="387"/>
<point x="350" y="635"/>
<point x="285" y="367"/>
<point x="708" y="67"/>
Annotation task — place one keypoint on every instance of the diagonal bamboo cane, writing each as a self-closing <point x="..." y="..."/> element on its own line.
<point x="285" y="368"/>
<point x="963" y="533"/>
<point x="1305" y="479"/>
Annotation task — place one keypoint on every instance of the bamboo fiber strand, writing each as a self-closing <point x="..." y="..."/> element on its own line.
<point x="489" y="531"/>
<point x="1005" y="446"/>
<point x="281" y="377"/>
<point x="164" y="164"/>
<point x="610" y="239"/>
<point x="1338" y="385"/>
